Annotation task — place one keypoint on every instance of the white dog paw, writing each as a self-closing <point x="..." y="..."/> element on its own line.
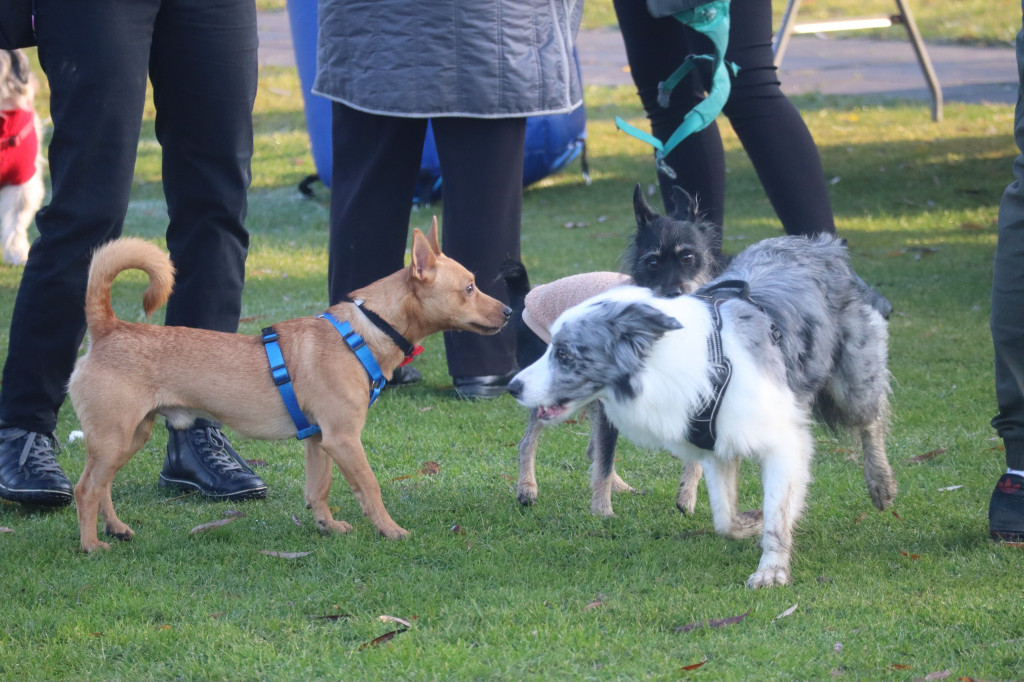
<point x="769" y="576"/>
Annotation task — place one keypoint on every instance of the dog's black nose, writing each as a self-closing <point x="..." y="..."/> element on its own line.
<point x="507" y="312"/>
<point x="515" y="387"/>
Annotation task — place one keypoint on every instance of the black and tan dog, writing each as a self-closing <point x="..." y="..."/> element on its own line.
<point x="133" y="372"/>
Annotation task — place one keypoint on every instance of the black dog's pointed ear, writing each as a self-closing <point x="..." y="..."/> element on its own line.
<point x="645" y="215"/>
<point x="684" y="205"/>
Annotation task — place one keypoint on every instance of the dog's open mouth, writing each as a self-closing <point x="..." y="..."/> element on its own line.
<point x="549" y="413"/>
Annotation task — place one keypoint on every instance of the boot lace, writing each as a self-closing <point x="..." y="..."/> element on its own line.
<point x="210" y="441"/>
<point x="39" y="456"/>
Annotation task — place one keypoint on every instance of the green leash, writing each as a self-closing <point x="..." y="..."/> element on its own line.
<point x="711" y="19"/>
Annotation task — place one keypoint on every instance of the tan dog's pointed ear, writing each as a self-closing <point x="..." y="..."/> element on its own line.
<point x="424" y="262"/>
<point x="432" y="237"/>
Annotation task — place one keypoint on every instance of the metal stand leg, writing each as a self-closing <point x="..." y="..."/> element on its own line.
<point x="788" y="26"/>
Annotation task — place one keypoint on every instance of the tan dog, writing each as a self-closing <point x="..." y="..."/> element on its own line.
<point x="133" y="372"/>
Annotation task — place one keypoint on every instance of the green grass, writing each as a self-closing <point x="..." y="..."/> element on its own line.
<point x="549" y="592"/>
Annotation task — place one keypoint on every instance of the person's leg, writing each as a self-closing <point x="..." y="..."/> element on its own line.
<point x="203" y="67"/>
<point x="655" y="48"/>
<point x="1006" y="508"/>
<point x="376" y="160"/>
<point x="771" y="129"/>
<point x="482" y="186"/>
<point x="375" y="163"/>
<point x="96" y="109"/>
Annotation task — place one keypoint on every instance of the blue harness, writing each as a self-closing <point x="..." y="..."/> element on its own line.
<point x="283" y="380"/>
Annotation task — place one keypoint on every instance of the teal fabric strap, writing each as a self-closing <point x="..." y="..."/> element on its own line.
<point x="711" y="19"/>
<point x="362" y="351"/>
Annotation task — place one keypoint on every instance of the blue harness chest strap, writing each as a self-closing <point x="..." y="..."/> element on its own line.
<point x="283" y="381"/>
<point x="362" y="351"/>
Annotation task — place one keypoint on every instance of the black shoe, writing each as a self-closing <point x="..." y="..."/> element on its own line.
<point x="201" y="457"/>
<point x="1006" y="509"/>
<point x="482" y="387"/>
<point x="406" y="375"/>
<point x="29" y="472"/>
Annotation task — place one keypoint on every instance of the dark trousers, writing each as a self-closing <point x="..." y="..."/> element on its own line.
<point x="376" y="161"/>
<point x="1007" y="317"/>
<point x="768" y="125"/>
<point x="201" y="58"/>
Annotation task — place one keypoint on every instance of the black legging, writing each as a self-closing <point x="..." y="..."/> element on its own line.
<point x="768" y="125"/>
<point x="201" y="59"/>
<point x="376" y="160"/>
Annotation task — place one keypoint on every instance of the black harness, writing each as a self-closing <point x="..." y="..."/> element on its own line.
<point x="701" y="427"/>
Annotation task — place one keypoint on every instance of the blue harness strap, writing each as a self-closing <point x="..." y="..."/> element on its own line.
<point x="711" y="19"/>
<point x="362" y="351"/>
<point x="283" y="381"/>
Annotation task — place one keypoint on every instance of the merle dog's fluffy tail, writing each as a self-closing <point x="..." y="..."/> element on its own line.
<point x="529" y="346"/>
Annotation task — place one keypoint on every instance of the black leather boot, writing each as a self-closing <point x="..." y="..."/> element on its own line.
<point x="29" y="472"/>
<point x="201" y="457"/>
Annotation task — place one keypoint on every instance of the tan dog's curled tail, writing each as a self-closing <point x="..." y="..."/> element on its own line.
<point x="108" y="262"/>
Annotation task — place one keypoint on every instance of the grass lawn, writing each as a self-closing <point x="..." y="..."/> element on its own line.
<point x="496" y="591"/>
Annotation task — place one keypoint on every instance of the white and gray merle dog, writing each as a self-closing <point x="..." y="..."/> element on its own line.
<point x="670" y="254"/>
<point x="734" y="371"/>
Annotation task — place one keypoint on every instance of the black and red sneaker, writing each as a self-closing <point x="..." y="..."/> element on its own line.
<point x="1006" y="509"/>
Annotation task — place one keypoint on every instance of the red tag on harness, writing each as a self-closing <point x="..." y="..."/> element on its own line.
<point x="416" y="350"/>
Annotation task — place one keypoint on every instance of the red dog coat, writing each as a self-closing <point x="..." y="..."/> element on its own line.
<point x="18" y="147"/>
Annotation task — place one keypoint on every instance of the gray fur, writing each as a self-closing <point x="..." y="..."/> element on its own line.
<point x="835" y="354"/>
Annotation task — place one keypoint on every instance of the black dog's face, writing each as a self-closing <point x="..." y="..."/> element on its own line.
<point x="672" y="255"/>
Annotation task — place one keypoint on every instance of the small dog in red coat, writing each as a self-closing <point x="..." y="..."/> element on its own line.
<point x="21" y="164"/>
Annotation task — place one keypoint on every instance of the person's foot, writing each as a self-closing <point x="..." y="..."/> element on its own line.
<point x="482" y="387"/>
<point x="1006" y="509"/>
<point x="404" y="376"/>
<point x="29" y="472"/>
<point x="201" y="457"/>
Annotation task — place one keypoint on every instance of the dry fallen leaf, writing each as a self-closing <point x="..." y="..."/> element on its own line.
<point x="939" y="675"/>
<point x="931" y="454"/>
<point x="915" y="557"/>
<point x="203" y="527"/>
<point x="394" y="619"/>
<point x="713" y="623"/>
<point x="593" y="605"/>
<point x="896" y="514"/>
<point x="863" y="515"/>
<point x="429" y="468"/>
<point x="386" y="637"/>
<point x="971" y="226"/>
<point x="694" y="666"/>
<point x="899" y="666"/>
<point x="284" y="555"/>
<point x="788" y="612"/>
<point x="295" y="520"/>
<point x="949" y="488"/>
